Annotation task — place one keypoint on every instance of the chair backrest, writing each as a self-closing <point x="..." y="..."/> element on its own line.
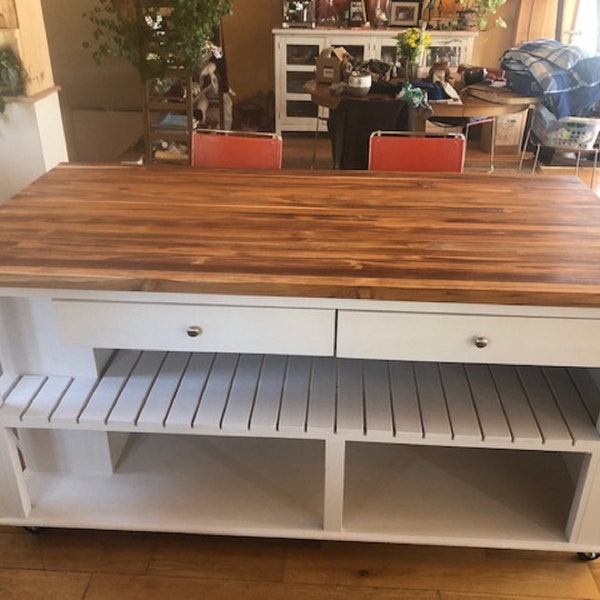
<point x="236" y="149"/>
<point x="416" y="151"/>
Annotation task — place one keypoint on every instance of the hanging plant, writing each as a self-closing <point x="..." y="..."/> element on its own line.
<point x="12" y="76"/>
<point x="154" y="36"/>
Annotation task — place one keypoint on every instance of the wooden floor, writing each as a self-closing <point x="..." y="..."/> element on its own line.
<point x="95" y="565"/>
<point x="298" y="154"/>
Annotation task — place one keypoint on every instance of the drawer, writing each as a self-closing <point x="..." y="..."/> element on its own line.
<point x="195" y="328"/>
<point x="469" y="338"/>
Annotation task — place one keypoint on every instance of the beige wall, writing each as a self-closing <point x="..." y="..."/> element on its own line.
<point x="249" y="45"/>
<point x="490" y="45"/>
<point x="115" y="85"/>
<point x="95" y="94"/>
<point x="29" y="42"/>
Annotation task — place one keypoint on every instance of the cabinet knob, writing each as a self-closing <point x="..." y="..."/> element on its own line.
<point x="194" y="331"/>
<point x="481" y="342"/>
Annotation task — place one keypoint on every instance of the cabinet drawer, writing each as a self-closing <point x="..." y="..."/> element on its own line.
<point x="469" y="338"/>
<point x="153" y="326"/>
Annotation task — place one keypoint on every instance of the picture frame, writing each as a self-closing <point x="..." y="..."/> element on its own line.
<point x="357" y="13"/>
<point x="405" y="14"/>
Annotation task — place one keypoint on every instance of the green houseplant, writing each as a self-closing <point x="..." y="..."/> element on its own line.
<point x="476" y="14"/>
<point x="155" y="35"/>
<point x="12" y="76"/>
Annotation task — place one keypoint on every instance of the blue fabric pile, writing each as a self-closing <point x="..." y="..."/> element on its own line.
<point x="567" y="77"/>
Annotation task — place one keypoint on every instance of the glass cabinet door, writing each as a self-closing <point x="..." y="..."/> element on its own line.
<point x="356" y="51"/>
<point x="303" y="55"/>
<point x="297" y="67"/>
<point x="300" y="65"/>
<point x="453" y="53"/>
<point x="389" y="52"/>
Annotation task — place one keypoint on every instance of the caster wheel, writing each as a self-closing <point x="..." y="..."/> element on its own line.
<point x="34" y="529"/>
<point x="588" y="555"/>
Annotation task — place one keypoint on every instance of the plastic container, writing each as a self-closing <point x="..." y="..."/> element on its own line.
<point x="576" y="133"/>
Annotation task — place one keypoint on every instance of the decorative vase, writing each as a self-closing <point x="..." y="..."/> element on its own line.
<point x="467" y="20"/>
<point x="359" y="83"/>
<point x="327" y="15"/>
<point x="412" y="69"/>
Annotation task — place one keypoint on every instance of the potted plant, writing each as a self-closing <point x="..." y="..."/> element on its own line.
<point x="12" y="76"/>
<point x="155" y="35"/>
<point x="475" y="14"/>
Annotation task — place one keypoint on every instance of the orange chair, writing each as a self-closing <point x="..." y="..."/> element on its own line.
<point x="416" y="151"/>
<point x="236" y="149"/>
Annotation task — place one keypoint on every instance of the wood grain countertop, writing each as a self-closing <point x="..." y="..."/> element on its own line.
<point x="475" y="238"/>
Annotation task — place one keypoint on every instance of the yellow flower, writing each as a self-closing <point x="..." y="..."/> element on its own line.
<point x="412" y="41"/>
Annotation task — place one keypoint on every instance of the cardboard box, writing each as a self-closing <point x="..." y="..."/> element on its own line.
<point x="329" y="65"/>
<point x="509" y="133"/>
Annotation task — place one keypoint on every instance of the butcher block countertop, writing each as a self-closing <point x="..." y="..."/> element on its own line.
<point x="475" y="238"/>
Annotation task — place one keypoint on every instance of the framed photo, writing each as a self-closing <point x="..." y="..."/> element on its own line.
<point x="357" y="14"/>
<point x="405" y="14"/>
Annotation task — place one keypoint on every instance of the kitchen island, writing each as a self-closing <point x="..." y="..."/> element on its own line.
<point x="356" y="356"/>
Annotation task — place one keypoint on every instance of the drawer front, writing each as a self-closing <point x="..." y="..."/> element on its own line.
<point x="195" y="328"/>
<point x="469" y="338"/>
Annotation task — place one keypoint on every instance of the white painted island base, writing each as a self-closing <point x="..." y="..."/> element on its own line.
<point x="295" y="417"/>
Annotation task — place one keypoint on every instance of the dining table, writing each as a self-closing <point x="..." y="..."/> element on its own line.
<point x="350" y="356"/>
<point x="476" y="101"/>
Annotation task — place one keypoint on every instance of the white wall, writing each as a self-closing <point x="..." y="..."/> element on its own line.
<point x="32" y="141"/>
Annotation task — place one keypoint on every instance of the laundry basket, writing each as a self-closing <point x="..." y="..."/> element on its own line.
<point x="569" y="135"/>
<point x="573" y="133"/>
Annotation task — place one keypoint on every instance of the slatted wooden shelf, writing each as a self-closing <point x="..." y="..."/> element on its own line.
<point x="295" y="396"/>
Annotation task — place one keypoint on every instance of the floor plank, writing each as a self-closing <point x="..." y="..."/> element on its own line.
<point x="122" y="587"/>
<point x="98" y="551"/>
<point x="298" y="154"/>
<point x="42" y="585"/>
<point x="491" y="596"/>
<point x="218" y="558"/>
<point x="20" y="549"/>
<point x="461" y="572"/>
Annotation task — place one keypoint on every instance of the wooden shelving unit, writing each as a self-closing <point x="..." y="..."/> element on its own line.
<point x="179" y="108"/>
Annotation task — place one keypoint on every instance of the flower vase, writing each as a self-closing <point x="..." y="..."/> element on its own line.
<point x="412" y="69"/>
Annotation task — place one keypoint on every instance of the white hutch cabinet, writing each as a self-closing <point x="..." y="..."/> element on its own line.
<point x="296" y="51"/>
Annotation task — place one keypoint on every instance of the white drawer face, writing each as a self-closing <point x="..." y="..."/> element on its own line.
<point x="469" y="338"/>
<point x="195" y="328"/>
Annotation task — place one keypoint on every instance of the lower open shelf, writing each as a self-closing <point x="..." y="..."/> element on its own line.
<point x="235" y="486"/>
<point x="479" y="496"/>
<point x="272" y="487"/>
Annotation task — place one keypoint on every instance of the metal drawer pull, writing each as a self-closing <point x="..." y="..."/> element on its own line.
<point x="481" y="342"/>
<point x="194" y="330"/>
